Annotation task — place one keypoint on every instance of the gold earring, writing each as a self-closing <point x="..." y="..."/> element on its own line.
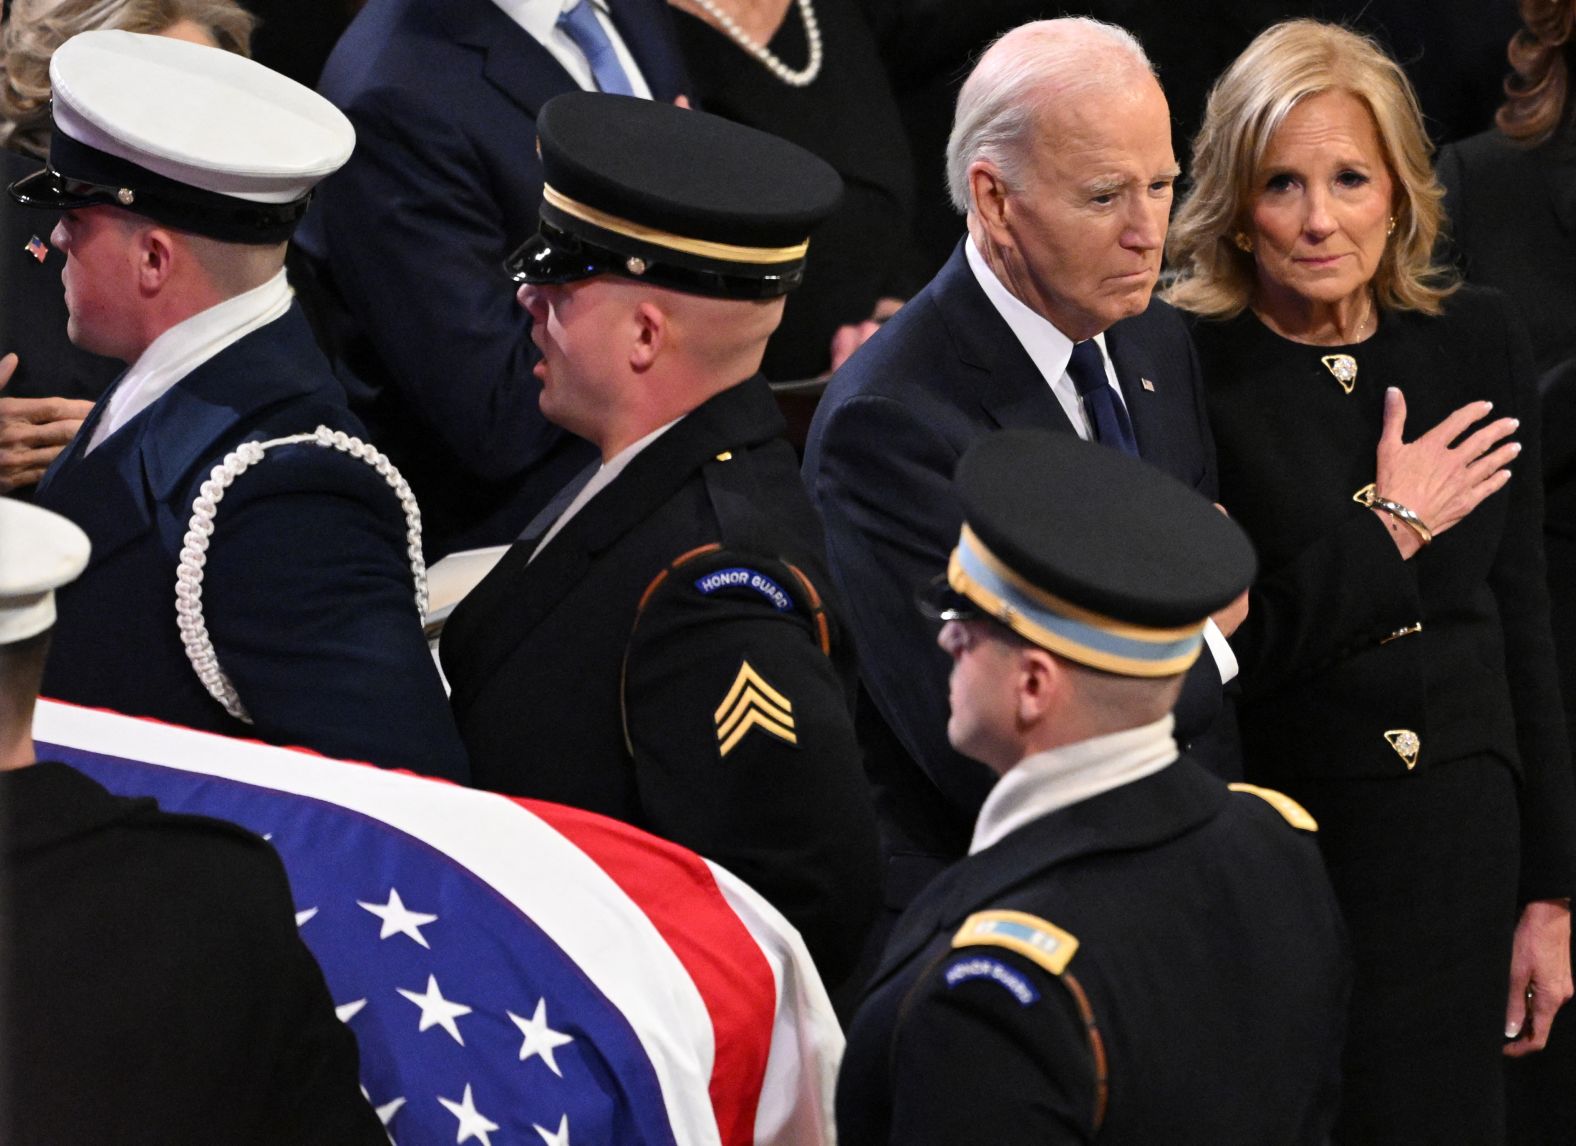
<point x="1390" y="230"/>
<point x="1244" y="242"/>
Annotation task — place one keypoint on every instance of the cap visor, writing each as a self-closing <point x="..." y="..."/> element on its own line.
<point x="941" y="602"/>
<point x="542" y="260"/>
<point x="44" y="189"/>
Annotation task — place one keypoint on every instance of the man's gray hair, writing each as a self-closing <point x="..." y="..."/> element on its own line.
<point x="1004" y="94"/>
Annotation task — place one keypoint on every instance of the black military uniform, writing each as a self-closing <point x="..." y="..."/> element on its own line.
<point x="1205" y="1001"/>
<point x="158" y="991"/>
<point x="1160" y="959"/>
<point x="671" y="656"/>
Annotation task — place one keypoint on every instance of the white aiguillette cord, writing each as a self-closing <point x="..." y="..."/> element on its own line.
<point x="199" y="532"/>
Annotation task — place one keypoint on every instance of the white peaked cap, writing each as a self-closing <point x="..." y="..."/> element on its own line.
<point x="39" y="552"/>
<point x="198" y="115"/>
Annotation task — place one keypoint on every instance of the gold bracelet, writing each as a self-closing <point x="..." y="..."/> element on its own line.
<point x="1369" y="497"/>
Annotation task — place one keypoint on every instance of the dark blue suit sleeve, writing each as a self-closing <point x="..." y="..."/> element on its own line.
<point x="309" y="597"/>
<point x="884" y="487"/>
<point x="416" y="235"/>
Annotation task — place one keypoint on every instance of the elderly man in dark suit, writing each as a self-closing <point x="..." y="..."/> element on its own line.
<point x="1061" y="157"/>
<point x="253" y="572"/>
<point x="407" y="240"/>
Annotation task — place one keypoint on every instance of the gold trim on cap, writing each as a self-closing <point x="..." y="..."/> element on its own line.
<point x="1073" y="650"/>
<point x="1066" y="608"/>
<point x="702" y="248"/>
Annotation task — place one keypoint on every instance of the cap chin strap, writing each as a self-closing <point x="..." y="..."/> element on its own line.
<point x="199" y="532"/>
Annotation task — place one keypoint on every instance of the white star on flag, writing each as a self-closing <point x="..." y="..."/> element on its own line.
<point x="303" y="917"/>
<point x="348" y="1011"/>
<point x="398" y="919"/>
<point x="436" y="1011"/>
<point x="472" y="1123"/>
<point x="559" y="1139"/>
<point x="540" y="1039"/>
<point x="388" y="1110"/>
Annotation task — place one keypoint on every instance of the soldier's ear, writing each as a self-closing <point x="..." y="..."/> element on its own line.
<point x="157" y="253"/>
<point x="1041" y="683"/>
<point x="650" y="335"/>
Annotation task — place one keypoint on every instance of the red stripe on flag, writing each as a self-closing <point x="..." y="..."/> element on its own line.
<point x="733" y="977"/>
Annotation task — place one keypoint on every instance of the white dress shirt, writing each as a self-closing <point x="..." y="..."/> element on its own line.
<point x="1050" y="350"/>
<point x="1048" y="347"/>
<point x="187" y="345"/>
<point x="540" y="19"/>
<point x="1048" y="781"/>
<point x="600" y="480"/>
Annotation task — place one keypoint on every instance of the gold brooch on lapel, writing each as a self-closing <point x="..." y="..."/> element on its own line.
<point x="1407" y="745"/>
<point x="1344" y="367"/>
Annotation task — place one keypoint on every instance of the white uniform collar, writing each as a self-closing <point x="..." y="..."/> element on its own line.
<point x="1048" y="781"/>
<point x="600" y="480"/>
<point x="187" y="345"/>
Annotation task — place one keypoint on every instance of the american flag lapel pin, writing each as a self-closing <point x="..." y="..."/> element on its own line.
<point x="37" y="248"/>
<point x="1147" y="384"/>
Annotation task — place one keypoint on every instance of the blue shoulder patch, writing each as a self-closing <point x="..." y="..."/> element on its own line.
<point x="966" y="968"/>
<point x="739" y="577"/>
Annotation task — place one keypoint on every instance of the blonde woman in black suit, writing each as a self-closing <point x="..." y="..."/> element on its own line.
<point x="1398" y="675"/>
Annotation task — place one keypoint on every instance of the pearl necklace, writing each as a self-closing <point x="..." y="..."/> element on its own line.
<point x="812" y="34"/>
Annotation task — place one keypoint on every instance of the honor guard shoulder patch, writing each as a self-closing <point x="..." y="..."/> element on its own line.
<point x="1295" y="814"/>
<point x="1030" y="936"/>
<point x="753" y="704"/>
<point x="742" y="578"/>
<point x="966" y="968"/>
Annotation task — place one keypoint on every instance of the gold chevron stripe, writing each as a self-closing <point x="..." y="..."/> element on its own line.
<point x="748" y="676"/>
<point x="752" y="703"/>
<point x="754" y="719"/>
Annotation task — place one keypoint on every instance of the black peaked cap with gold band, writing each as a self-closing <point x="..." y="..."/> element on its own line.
<point x="677" y="198"/>
<point x="1089" y="553"/>
<point x="192" y="137"/>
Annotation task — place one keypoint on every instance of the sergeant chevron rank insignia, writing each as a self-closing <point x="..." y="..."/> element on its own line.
<point x="751" y="703"/>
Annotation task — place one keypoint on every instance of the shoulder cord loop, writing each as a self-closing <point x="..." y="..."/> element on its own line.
<point x="199" y="532"/>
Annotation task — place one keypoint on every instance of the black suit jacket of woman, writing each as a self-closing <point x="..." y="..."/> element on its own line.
<point x="1325" y="678"/>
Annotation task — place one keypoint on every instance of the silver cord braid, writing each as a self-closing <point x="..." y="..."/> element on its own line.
<point x="199" y="532"/>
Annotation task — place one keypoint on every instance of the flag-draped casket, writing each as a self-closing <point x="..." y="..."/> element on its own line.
<point x="514" y="971"/>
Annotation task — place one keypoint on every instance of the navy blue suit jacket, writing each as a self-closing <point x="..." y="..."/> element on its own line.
<point x="408" y="239"/>
<point x="307" y="590"/>
<point x="946" y="371"/>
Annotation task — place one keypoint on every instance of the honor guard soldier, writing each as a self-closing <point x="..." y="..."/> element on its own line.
<point x="1132" y="952"/>
<point x="661" y="645"/>
<point x="154" y="987"/>
<point x="256" y="566"/>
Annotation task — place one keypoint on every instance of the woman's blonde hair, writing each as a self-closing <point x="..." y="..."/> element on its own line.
<point x="1283" y="66"/>
<point x="36" y="28"/>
